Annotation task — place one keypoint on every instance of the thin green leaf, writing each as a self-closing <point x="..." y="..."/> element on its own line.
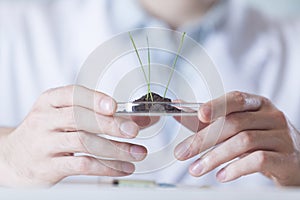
<point x="139" y="58"/>
<point x="174" y="63"/>
<point x="149" y="71"/>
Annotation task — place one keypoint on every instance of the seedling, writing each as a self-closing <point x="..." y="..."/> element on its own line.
<point x="150" y="96"/>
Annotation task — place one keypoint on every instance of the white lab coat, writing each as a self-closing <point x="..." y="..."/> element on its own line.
<point x="44" y="43"/>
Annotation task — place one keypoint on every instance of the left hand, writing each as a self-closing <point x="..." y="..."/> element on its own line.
<point x="256" y="136"/>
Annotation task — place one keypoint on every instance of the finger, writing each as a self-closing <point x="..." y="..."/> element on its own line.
<point x="230" y="103"/>
<point x="222" y="129"/>
<point x="81" y="119"/>
<point x="144" y="121"/>
<point x="190" y="122"/>
<point x="81" y="142"/>
<point x="83" y="165"/>
<point x="258" y="161"/>
<point x="79" y="96"/>
<point x="237" y="146"/>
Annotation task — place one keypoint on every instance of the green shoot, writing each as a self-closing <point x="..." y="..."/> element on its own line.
<point x="175" y="62"/>
<point x="140" y="61"/>
<point x="149" y="65"/>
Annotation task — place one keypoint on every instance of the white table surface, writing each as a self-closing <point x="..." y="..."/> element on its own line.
<point x="96" y="192"/>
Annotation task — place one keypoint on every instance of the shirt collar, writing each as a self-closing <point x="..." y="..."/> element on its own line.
<point x="126" y="15"/>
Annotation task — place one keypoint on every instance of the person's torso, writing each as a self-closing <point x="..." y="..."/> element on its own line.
<point x="43" y="44"/>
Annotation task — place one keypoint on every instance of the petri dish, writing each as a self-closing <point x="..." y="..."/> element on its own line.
<point x="157" y="109"/>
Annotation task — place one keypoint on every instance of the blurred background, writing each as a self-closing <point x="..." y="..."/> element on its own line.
<point x="278" y="8"/>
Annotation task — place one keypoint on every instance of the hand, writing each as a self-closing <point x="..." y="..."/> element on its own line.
<point x="40" y="151"/>
<point x="256" y="137"/>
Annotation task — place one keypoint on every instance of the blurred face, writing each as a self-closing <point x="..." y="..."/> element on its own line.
<point x="177" y="12"/>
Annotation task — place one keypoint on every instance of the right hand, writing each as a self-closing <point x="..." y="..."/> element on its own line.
<point x="40" y="151"/>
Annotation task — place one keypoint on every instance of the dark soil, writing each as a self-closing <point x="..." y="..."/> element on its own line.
<point x="154" y="107"/>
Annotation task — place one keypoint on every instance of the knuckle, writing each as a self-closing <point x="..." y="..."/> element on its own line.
<point x="234" y="122"/>
<point x="43" y="98"/>
<point x="48" y="93"/>
<point x="69" y="90"/>
<point x="265" y="101"/>
<point x="261" y="159"/>
<point x="280" y="117"/>
<point x="246" y="139"/>
<point x="239" y="97"/>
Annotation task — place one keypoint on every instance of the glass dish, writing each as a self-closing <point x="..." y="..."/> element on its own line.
<point x="157" y="109"/>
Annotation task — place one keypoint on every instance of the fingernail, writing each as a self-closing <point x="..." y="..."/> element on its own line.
<point x="129" y="129"/>
<point x="128" y="168"/>
<point x="107" y="105"/>
<point x="221" y="176"/>
<point x="138" y="152"/>
<point x="182" y="151"/>
<point x="197" y="168"/>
